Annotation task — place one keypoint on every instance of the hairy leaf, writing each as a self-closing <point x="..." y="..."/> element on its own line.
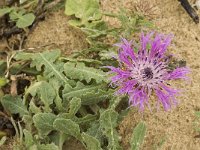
<point x="108" y="122"/>
<point x="91" y="142"/>
<point x="47" y="59"/>
<point x="74" y="106"/>
<point x="51" y="146"/>
<point x="67" y="126"/>
<point x="28" y="138"/>
<point x="56" y="85"/>
<point x="81" y="72"/>
<point x="90" y="94"/>
<point x="6" y="10"/>
<point x="14" y="105"/>
<point x="44" y="122"/>
<point x="138" y="136"/>
<point x="33" y="108"/>
<point x="25" y="20"/>
<point x="86" y="10"/>
<point x="45" y="92"/>
<point x="86" y="119"/>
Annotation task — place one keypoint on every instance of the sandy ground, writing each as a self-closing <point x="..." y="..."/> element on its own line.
<point x="175" y="127"/>
<point x="54" y="33"/>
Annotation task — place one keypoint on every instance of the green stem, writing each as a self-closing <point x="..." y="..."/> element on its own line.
<point x="60" y="141"/>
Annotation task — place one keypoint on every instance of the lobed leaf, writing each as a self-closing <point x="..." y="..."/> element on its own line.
<point x="67" y="126"/>
<point x="81" y="72"/>
<point x="74" y="106"/>
<point x="51" y="146"/>
<point x="47" y="59"/>
<point x="91" y="142"/>
<point x="14" y="105"/>
<point x="45" y="92"/>
<point x="44" y="122"/>
<point x="108" y="122"/>
<point x="89" y="94"/>
<point x="86" y="10"/>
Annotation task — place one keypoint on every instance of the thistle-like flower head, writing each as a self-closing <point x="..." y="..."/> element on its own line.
<point x="145" y="72"/>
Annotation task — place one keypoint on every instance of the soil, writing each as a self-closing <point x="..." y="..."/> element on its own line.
<point x="176" y="127"/>
<point x="55" y="33"/>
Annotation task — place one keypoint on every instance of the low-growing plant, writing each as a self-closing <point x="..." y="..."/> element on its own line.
<point x="68" y="99"/>
<point x="18" y="15"/>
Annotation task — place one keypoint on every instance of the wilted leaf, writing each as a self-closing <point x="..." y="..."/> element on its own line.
<point x="91" y="142"/>
<point x="44" y="122"/>
<point x="14" y="105"/>
<point x="67" y="126"/>
<point x="138" y="136"/>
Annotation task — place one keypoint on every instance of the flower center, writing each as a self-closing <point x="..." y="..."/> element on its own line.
<point x="147" y="73"/>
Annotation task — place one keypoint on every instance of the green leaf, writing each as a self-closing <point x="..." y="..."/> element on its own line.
<point x="4" y="11"/>
<point x="3" y="66"/>
<point x="28" y="138"/>
<point x="3" y="140"/>
<point x="25" y="20"/>
<point x="86" y="10"/>
<point x="58" y="100"/>
<point x="197" y="113"/>
<point x="96" y="131"/>
<point x="23" y="56"/>
<point x="86" y="119"/>
<point x="74" y="106"/>
<point x="14" y="105"/>
<point x="67" y="126"/>
<point x="75" y="23"/>
<point x="108" y="122"/>
<point x="3" y="81"/>
<point x="44" y="122"/>
<point x="138" y="136"/>
<point x="52" y="69"/>
<point x="51" y="146"/>
<point x="91" y="142"/>
<point x="33" y="108"/>
<point x="45" y="92"/>
<point x="81" y="72"/>
<point x="90" y="94"/>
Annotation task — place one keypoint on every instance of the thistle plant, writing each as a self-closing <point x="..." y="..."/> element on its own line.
<point x="146" y="71"/>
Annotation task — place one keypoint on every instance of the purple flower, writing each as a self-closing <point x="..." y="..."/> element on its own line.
<point x="145" y="72"/>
